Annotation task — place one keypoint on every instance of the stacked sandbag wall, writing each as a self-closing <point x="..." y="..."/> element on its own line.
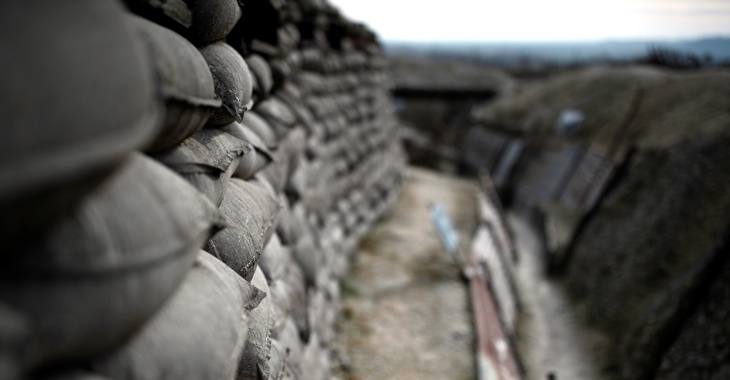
<point x="183" y="184"/>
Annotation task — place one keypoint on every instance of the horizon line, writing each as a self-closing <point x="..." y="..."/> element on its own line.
<point x="597" y="41"/>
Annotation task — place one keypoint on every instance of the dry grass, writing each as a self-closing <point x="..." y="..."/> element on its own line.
<point x="671" y="106"/>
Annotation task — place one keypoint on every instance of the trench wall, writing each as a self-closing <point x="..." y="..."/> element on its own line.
<point x="189" y="200"/>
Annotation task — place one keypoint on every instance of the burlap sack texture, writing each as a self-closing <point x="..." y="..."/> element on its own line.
<point x="276" y="112"/>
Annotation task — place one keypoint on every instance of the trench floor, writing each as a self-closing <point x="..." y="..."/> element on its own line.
<point x="405" y="308"/>
<point x="406" y="311"/>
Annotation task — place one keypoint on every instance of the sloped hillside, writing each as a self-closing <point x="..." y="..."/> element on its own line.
<point x="644" y="257"/>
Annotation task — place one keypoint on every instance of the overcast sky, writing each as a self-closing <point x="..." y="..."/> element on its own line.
<point x="540" y="20"/>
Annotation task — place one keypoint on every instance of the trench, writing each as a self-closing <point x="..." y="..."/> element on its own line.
<point x="406" y="310"/>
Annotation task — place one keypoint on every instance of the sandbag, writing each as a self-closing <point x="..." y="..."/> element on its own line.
<point x="281" y="296"/>
<point x="292" y="224"/>
<point x="299" y="300"/>
<point x="307" y="256"/>
<point x="102" y="272"/>
<point x="232" y="82"/>
<point x="250" y="214"/>
<point x="288" y="291"/>
<point x="288" y="36"/>
<point x="293" y="97"/>
<point x="207" y="160"/>
<point x="173" y="14"/>
<point x="313" y="60"/>
<point x="254" y="363"/>
<point x="185" y="83"/>
<point x="309" y="82"/>
<point x="279" y="116"/>
<point x="261" y="128"/>
<point x="277" y="173"/>
<point x="212" y="20"/>
<point x="291" y="148"/>
<point x="275" y="259"/>
<point x="285" y="225"/>
<point x="74" y="375"/>
<point x="286" y="159"/>
<point x="288" y="336"/>
<point x="199" y="334"/>
<point x="73" y="105"/>
<point x="14" y="332"/>
<point x="262" y="72"/>
<point x="255" y="160"/>
<point x="279" y="356"/>
<point x="314" y="364"/>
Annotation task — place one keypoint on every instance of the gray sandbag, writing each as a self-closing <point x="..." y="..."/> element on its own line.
<point x="73" y="375"/>
<point x="293" y="96"/>
<point x="298" y="224"/>
<point x="279" y="356"/>
<point x="275" y="259"/>
<point x="277" y="173"/>
<point x="207" y="160"/>
<point x="250" y="212"/>
<point x="265" y="184"/>
<point x="176" y="10"/>
<point x="184" y="79"/>
<point x="261" y="128"/>
<point x="232" y="80"/>
<point x="73" y="105"/>
<point x="317" y="311"/>
<point x="310" y="83"/>
<point x="14" y="332"/>
<point x="289" y="296"/>
<point x="313" y="60"/>
<point x="314" y="364"/>
<point x="299" y="300"/>
<point x="294" y="59"/>
<point x="199" y="333"/>
<point x="262" y="72"/>
<point x="265" y="187"/>
<point x="279" y="116"/>
<point x="292" y="147"/>
<point x="340" y="263"/>
<point x="332" y="308"/>
<point x="307" y="256"/>
<point x="255" y="160"/>
<point x="94" y="279"/>
<point x="286" y="158"/>
<point x="285" y="226"/>
<point x="281" y="296"/>
<point x="212" y="20"/>
<point x="289" y="37"/>
<point x="281" y="71"/>
<point x="254" y="364"/>
<point x="289" y="337"/>
<point x="289" y="373"/>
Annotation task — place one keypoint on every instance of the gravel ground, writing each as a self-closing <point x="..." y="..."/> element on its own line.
<point x="405" y="311"/>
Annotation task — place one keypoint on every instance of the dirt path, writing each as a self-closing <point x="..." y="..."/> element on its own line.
<point x="551" y="338"/>
<point x="406" y="311"/>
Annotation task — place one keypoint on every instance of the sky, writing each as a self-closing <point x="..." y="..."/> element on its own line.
<point x="540" y="20"/>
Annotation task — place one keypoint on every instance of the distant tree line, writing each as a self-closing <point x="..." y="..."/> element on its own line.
<point x="675" y="59"/>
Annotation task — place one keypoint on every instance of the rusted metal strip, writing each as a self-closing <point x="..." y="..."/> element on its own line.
<point x="494" y="356"/>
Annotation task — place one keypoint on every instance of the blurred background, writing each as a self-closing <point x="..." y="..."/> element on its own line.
<point x="604" y="126"/>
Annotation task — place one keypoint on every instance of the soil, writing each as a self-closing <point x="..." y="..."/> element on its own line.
<point x="406" y="310"/>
